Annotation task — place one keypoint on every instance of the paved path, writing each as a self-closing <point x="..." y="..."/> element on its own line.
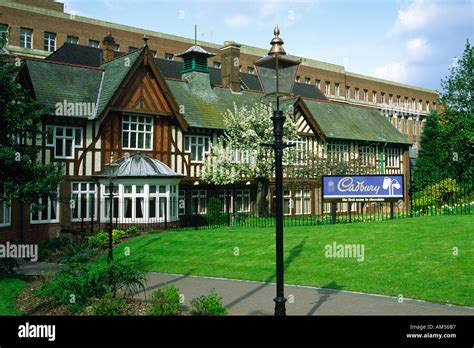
<point x="255" y="298"/>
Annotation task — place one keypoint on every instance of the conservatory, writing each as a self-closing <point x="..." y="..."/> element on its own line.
<point x="145" y="190"/>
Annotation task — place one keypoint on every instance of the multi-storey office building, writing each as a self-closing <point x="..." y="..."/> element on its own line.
<point x="39" y="27"/>
<point x="158" y="119"/>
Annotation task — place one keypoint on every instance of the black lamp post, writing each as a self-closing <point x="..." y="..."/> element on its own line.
<point x="111" y="171"/>
<point x="277" y="74"/>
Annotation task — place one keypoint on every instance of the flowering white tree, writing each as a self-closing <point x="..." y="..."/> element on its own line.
<point x="238" y="154"/>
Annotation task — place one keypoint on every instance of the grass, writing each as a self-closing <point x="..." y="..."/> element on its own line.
<point x="9" y="289"/>
<point x="409" y="257"/>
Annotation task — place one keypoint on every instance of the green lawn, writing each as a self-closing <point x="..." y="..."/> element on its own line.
<point x="9" y="289"/>
<point x="412" y="257"/>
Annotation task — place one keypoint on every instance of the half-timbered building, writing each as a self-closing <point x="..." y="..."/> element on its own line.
<point x="157" y="119"/>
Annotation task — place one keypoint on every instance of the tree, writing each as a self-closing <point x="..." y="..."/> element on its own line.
<point x="447" y="143"/>
<point x="24" y="177"/>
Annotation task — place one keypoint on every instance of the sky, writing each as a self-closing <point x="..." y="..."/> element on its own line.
<point x="408" y="41"/>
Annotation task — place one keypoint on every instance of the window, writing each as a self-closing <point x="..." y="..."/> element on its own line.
<point x="49" y="42"/>
<point x="348" y="92"/>
<point x="199" y="201"/>
<point x="158" y="204"/>
<point x="366" y="95"/>
<point x="297" y="79"/>
<point x="382" y="97"/>
<point x="64" y="140"/>
<point x="242" y="201"/>
<point x="356" y="93"/>
<point x="374" y="97"/>
<point x="398" y="123"/>
<point x="427" y="109"/>
<point x="367" y="155"/>
<point x="197" y="146"/>
<point x="390" y="99"/>
<point x="94" y="43"/>
<point x="307" y="80"/>
<point x="48" y="210"/>
<point x="225" y="198"/>
<point x="182" y="202"/>
<point x="393" y="157"/>
<point x="217" y="65"/>
<point x="287" y="203"/>
<point x="244" y="156"/>
<point x="26" y="38"/>
<point x="336" y="89"/>
<point x="413" y="150"/>
<point x="399" y="100"/>
<point x="137" y="132"/>
<point x="420" y="124"/>
<point x="131" y="48"/>
<point x="249" y="70"/>
<point x="413" y="126"/>
<point x="405" y="103"/>
<point x="3" y="30"/>
<point x="5" y="212"/>
<point x="318" y="84"/>
<point x="83" y="205"/>
<point x="302" y="202"/>
<point x="413" y="104"/>
<point x="420" y="105"/>
<point x="338" y="152"/>
<point x="327" y="90"/>
<point x="405" y="125"/>
<point x="72" y="39"/>
<point x="106" y="200"/>
<point x="301" y="145"/>
<point x="169" y="56"/>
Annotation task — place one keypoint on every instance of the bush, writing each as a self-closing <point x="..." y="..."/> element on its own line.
<point x="77" y="253"/>
<point x="165" y="301"/>
<point x="109" y="306"/>
<point x="77" y="284"/>
<point x="8" y="265"/>
<point x="99" y="240"/>
<point x="208" y="305"/>
<point x="133" y="230"/>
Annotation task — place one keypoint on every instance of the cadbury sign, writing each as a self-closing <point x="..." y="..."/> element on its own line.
<point x="367" y="188"/>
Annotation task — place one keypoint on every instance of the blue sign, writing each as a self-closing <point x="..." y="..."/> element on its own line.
<point x="367" y="188"/>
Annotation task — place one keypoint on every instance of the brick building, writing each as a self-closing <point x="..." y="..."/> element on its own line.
<point x="39" y="27"/>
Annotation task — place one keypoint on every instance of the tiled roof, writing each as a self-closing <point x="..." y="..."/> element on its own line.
<point x="357" y="123"/>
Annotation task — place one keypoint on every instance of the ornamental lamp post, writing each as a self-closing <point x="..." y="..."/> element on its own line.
<point x="111" y="172"/>
<point x="277" y="73"/>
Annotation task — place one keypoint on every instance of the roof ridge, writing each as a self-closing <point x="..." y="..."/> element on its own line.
<point x="61" y="63"/>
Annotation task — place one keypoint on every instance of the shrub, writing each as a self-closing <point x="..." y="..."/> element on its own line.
<point x="117" y="235"/>
<point x="99" y="240"/>
<point x="133" y="230"/>
<point x="8" y="265"/>
<point x="109" y="305"/>
<point x="77" y="253"/>
<point x="165" y="301"/>
<point x="77" y="284"/>
<point x="208" y="305"/>
<point x="214" y="215"/>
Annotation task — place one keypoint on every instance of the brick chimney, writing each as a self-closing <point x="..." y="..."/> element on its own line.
<point x="230" y="56"/>
<point x="108" y="48"/>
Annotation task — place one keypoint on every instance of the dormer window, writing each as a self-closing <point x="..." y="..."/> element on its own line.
<point x="217" y="65"/>
<point x="64" y="140"/>
<point x="169" y="56"/>
<point x="249" y="70"/>
<point x="137" y="132"/>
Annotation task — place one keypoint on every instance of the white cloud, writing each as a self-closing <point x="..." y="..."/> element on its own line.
<point x="237" y="21"/>
<point x="422" y="15"/>
<point x="418" y="48"/>
<point x="395" y="71"/>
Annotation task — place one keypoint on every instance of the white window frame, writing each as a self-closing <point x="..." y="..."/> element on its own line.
<point x="202" y="144"/>
<point x="143" y="127"/>
<point x="26" y="38"/>
<point x="338" y="151"/>
<point x="427" y="108"/>
<point x="48" y="207"/>
<point x="356" y="93"/>
<point x="348" y="92"/>
<point x="405" y="125"/>
<point x="49" y="41"/>
<point x="244" y="156"/>
<point x="199" y="195"/>
<point x="287" y="202"/>
<point x="366" y="95"/>
<point x="181" y="202"/>
<point x="382" y="98"/>
<point x="242" y="200"/>
<point x="52" y="137"/>
<point x="303" y="202"/>
<point x="336" y="89"/>
<point x="90" y="193"/>
<point x="327" y="87"/>
<point x="393" y="157"/>
<point x="224" y="196"/>
<point x="318" y="84"/>
<point x="301" y="145"/>
<point x="367" y="154"/>
<point x="4" y="30"/>
<point x="74" y="38"/>
<point x="6" y="212"/>
<point x="374" y="97"/>
<point x="94" y="43"/>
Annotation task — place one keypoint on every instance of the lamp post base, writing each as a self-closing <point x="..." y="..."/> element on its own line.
<point x="280" y="310"/>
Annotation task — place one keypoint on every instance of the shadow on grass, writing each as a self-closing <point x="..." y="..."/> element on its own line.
<point x="294" y="253"/>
